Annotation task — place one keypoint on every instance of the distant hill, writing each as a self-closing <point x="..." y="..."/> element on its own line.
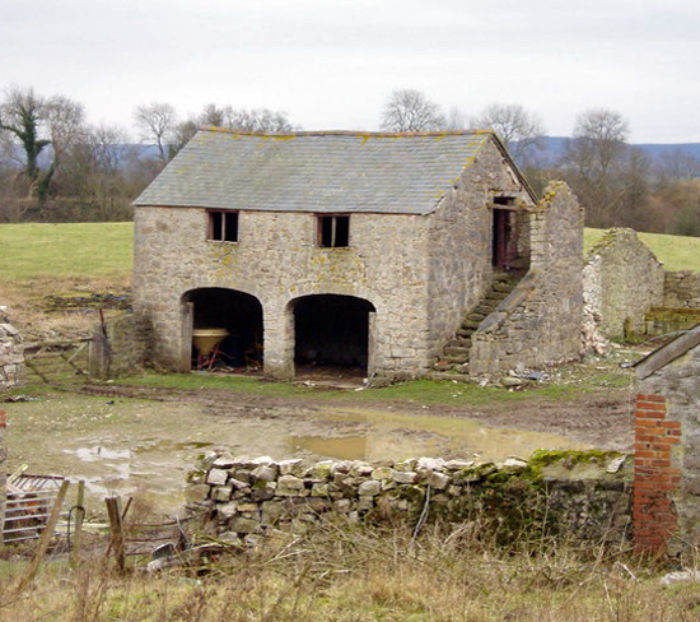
<point x="553" y="148"/>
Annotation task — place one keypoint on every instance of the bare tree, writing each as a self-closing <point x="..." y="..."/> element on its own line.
<point x="598" y="163"/>
<point x="259" y="120"/>
<point x="521" y="131"/>
<point x="456" y="119"/>
<point x="599" y="141"/>
<point x="157" y="122"/>
<point x="408" y="110"/>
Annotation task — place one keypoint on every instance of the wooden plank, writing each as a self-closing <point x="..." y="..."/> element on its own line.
<point x="46" y="534"/>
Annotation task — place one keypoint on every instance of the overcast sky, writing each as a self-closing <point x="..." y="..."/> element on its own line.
<point x="331" y="64"/>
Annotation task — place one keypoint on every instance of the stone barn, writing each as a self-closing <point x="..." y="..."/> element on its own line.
<point x="351" y="250"/>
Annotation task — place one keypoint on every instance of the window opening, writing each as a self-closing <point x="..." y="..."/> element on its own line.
<point x="333" y="231"/>
<point x="223" y="226"/>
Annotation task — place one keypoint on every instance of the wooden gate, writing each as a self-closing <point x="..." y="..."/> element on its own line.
<point x="58" y="362"/>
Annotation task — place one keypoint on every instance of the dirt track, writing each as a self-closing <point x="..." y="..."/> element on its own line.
<point x="602" y="419"/>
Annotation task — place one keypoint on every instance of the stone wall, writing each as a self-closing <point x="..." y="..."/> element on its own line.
<point x="12" y="368"/>
<point x="3" y="474"/>
<point x="540" y="322"/>
<point x="623" y="279"/>
<point x="120" y="346"/>
<point x="682" y="289"/>
<point x="667" y="455"/>
<point x="277" y="260"/>
<point x="459" y="248"/>
<point x="420" y="272"/>
<point x="576" y="494"/>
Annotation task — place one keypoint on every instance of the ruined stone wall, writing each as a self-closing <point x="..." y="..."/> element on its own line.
<point x="460" y="241"/>
<point x="277" y="260"/>
<point x="682" y="289"/>
<point x="3" y="474"/>
<point x="12" y="368"/>
<point x="120" y="346"/>
<point x="540" y="322"/>
<point x="576" y="494"/>
<point x="623" y="280"/>
<point x="667" y="456"/>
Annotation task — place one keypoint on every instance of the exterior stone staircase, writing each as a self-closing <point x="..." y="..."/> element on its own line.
<point x="455" y="354"/>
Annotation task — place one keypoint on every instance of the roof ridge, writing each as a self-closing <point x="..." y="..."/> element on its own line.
<point x="357" y="133"/>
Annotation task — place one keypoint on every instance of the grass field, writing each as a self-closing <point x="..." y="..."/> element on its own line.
<point x="32" y="250"/>
<point x="676" y="252"/>
<point x="85" y="250"/>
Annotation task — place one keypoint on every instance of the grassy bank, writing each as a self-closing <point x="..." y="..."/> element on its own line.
<point x="362" y="575"/>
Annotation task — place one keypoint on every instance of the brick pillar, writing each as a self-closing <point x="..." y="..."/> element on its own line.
<point x="655" y="475"/>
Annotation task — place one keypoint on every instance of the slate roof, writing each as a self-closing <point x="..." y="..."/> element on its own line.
<point x="315" y="171"/>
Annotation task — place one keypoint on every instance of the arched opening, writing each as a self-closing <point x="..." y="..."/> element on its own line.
<point x="332" y="334"/>
<point x="226" y="329"/>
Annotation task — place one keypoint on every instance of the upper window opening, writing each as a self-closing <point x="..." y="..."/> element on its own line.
<point x="333" y="231"/>
<point x="223" y="226"/>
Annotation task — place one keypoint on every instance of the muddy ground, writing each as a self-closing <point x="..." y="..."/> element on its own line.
<point x="142" y="440"/>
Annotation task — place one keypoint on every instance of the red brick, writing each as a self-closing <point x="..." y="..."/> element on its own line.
<point x="670" y="424"/>
<point x="651" y="406"/>
<point x="3" y="419"/>
<point x="661" y="463"/>
<point x="674" y="432"/>
<point x="649" y="414"/>
<point x="651" y="398"/>
<point x="650" y="423"/>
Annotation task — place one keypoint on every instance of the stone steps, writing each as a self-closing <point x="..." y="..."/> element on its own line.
<point x="455" y="355"/>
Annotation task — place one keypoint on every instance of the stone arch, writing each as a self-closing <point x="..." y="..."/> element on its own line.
<point x="238" y="313"/>
<point x="333" y="331"/>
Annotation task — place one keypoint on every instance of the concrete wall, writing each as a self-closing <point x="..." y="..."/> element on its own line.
<point x="623" y="280"/>
<point x="667" y="456"/>
<point x="575" y="494"/>
<point x="459" y="249"/>
<point x="540" y="322"/>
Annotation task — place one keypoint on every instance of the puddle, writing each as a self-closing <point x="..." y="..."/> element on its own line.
<point x="148" y="450"/>
<point x="345" y="448"/>
<point x="98" y="452"/>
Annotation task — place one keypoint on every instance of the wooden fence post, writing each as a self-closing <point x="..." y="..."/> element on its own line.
<point x="116" y="543"/>
<point x="79" y="517"/>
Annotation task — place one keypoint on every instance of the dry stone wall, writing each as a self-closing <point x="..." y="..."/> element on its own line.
<point x="119" y="346"/>
<point x="3" y="474"/>
<point x="12" y="368"/>
<point x="581" y="494"/>
<point x="682" y="289"/>
<point x="541" y="321"/>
